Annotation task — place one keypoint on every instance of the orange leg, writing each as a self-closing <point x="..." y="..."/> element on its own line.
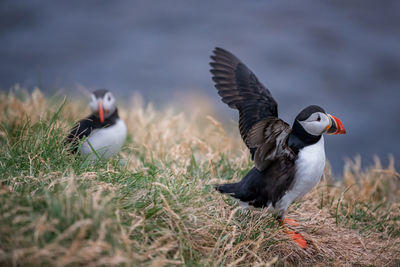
<point x="290" y="222"/>
<point x="296" y="237"/>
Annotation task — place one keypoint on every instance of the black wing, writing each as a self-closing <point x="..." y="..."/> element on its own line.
<point x="268" y="139"/>
<point x="82" y="129"/>
<point x="241" y="90"/>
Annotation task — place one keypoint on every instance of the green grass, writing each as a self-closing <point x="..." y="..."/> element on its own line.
<point x="155" y="204"/>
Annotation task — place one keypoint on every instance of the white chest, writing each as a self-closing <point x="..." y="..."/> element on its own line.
<point x="105" y="141"/>
<point x="310" y="166"/>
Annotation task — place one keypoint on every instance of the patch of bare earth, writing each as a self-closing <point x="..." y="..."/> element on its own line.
<point x="338" y="244"/>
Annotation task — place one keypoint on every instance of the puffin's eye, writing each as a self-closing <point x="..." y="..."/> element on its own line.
<point x="109" y="98"/>
<point x="319" y="118"/>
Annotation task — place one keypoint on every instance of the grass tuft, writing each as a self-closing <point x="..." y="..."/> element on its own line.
<point x="154" y="204"/>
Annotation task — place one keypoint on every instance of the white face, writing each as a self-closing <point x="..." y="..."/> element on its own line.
<point x="94" y="106"/>
<point x="108" y="102"/>
<point x="316" y="124"/>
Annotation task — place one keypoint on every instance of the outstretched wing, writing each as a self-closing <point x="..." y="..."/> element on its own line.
<point x="241" y="90"/>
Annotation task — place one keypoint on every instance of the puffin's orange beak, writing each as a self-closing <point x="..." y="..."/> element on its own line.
<point x="336" y="126"/>
<point x="101" y="115"/>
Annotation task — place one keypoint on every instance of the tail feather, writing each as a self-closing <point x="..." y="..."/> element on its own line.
<point x="226" y="188"/>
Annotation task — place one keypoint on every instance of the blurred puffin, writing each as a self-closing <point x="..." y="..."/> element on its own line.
<point x="103" y="131"/>
<point x="289" y="162"/>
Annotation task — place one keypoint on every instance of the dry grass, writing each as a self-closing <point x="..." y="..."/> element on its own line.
<point x="155" y="204"/>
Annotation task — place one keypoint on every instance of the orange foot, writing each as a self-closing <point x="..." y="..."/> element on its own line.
<point x="297" y="238"/>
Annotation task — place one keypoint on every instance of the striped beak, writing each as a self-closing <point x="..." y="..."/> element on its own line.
<point x="101" y="114"/>
<point x="336" y="126"/>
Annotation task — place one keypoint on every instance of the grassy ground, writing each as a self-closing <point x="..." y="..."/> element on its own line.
<point x="154" y="205"/>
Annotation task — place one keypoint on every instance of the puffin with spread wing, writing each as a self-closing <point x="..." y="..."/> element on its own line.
<point x="289" y="162"/>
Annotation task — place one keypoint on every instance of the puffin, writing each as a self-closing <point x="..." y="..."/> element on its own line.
<point x="288" y="161"/>
<point x="101" y="134"/>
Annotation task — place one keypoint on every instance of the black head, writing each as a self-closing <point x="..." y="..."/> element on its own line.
<point x="315" y="121"/>
<point x="309" y="126"/>
<point x="100" y="93"/>
<point x="306" y="113"/>
<point x="311" y="122"/>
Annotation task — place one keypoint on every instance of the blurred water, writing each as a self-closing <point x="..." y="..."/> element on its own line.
<point x="342" y="55"/>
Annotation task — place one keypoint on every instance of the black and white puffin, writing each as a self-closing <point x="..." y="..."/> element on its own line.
<point x="289" y="162"/>
<point x="103" y="131"/>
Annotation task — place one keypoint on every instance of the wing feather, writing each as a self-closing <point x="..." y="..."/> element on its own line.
<point x="240" y="89"/>
<point x="81" y="129"/>
<point x="261" y="129"/>
<point x="269" y="140"/>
